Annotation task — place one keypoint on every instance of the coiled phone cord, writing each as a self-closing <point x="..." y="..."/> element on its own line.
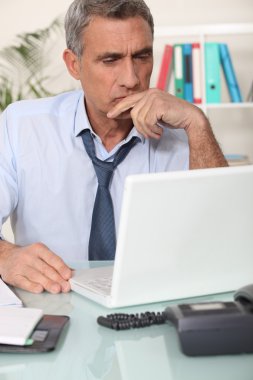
<point x="122" y="321"/>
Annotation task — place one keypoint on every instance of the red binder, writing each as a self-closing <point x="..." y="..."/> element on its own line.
<point x="196" y="73"/>
<point x="165" y="68"/>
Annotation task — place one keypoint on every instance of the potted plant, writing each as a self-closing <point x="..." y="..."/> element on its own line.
<point x="26" y="66"/>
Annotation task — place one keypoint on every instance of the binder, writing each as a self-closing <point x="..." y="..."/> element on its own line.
<point x="212" y="72"/>
<point x="178" y="70"/>
<point x="250" y="94"/>
<point x="231" y="81"/>
<point x="188" y="89"/>
<point x="196" y="73"/>
<point x="165" y="68"/>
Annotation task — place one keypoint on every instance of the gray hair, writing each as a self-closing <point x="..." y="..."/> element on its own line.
<point x="81" y="12"/>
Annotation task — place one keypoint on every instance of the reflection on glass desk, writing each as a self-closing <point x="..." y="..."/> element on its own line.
<point x="89" y="351"/>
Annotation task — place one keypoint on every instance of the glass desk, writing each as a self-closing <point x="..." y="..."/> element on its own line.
<point x="88" y="351"/>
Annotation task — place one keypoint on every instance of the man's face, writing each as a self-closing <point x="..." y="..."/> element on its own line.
<point x="117" y="61"/>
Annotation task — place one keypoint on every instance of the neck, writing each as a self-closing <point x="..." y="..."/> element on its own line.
<point x="111" y="131"/>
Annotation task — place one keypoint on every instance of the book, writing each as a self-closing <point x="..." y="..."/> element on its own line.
<point x="188" y="88"/>
<point x="237" y="159"/>
<point x="228" y="69"/>
<point x="165" y="68"/>
<point x="212" y="72"/>
<point x="250" y="94"/>
<point x="178" y="70"/>
<point x="16" y="325"/>
<point x="196" y="73"/>
<point x="7" y="296"/>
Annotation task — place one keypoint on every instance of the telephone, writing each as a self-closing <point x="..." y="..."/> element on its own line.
<point x="210" y="328"/>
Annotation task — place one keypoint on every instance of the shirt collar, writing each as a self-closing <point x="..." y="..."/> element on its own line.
<point x="82" y="122"/>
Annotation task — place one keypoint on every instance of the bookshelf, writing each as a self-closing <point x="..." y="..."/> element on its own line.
<point x="232" y="122"/>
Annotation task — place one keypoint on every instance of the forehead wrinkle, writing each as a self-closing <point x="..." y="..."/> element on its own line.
<point x="114" y="53"/>
<point x="117" y="36"/>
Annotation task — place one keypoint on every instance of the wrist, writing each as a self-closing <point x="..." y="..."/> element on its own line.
<point x="5" y="248"/>
<point x="199" y="125"/>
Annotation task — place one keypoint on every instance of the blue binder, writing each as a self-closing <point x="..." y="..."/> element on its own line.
<point x="212" y="72"/>
<point x="232" y="84"/>
<point x="188" y="87"/>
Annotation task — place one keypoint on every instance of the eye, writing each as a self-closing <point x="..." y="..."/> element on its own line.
<point x="143" y="56"/>
<point x="109" y="60"/>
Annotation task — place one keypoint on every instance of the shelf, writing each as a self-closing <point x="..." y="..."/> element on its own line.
<point x="212" y="29"/>
<point x="229" y="105"/>
<point x="231" y="122"/>
<point x="224" y="106"/>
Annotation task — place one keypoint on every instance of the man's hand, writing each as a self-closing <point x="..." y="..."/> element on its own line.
<point x="150" y="108"/>
<point x="33" y="268"/>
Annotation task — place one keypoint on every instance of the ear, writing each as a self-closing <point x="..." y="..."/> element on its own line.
<point x="72" y="63"/>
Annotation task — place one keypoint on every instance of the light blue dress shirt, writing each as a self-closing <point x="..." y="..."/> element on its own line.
<point x="47" y="181"/>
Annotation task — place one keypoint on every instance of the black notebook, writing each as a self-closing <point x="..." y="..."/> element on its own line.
<point x="43" y="338"/>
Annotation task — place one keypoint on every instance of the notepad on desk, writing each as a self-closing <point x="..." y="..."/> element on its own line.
<point x="16" y="322"/>
<point x="16" y="325"/>
<point x="7" y="296"/>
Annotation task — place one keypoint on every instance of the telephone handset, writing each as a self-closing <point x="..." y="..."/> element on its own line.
<point x="210" y="328"/>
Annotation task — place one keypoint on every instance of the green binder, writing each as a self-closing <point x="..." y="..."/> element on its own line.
<point x="178" y="66"/>
<point x="212" y="72"/>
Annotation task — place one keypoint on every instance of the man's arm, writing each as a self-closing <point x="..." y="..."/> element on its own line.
<point x="149" y="107"/>
<point x="33" y="268"/>
<point x="204" y="149"/>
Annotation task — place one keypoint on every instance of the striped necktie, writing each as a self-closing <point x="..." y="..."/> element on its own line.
<point x="102" y="242"/>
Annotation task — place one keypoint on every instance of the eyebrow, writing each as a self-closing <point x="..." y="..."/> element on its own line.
<point x="115" y="55"/>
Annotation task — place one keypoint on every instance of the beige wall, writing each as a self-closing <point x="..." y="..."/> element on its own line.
<point x="27" y="15"/>
<point x="187" y="12"/>
<point x="19" y="16"/>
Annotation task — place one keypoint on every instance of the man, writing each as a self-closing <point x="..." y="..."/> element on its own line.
<point x="47" y="179"/>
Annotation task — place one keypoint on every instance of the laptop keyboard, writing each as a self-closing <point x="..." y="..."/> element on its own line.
<point x="101" y="285"/>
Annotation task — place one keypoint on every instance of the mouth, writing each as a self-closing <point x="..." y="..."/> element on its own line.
<point x="117" y="100"/>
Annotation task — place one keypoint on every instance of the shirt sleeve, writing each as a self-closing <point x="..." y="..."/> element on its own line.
<point x="8" y="173"/>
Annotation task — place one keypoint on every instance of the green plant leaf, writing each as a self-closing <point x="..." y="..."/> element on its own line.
<point x="24" y="64"/>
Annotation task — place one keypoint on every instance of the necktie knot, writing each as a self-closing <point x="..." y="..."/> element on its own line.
<point x="104" y="174"/>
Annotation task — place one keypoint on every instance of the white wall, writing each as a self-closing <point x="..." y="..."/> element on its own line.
<point x="27" y="15"/>
<point x="187" y="12"/>
<point x="18" y="16"/>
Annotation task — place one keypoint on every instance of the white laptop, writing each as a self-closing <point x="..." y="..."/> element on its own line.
<point x="181" y="234"/>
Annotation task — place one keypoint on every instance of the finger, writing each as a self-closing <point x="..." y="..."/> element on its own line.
<point x="53" y="269"/>
<point x="37" y="277"/>
<point x="125" y="105"/>
<point x="54" y="261"/>
<point x="153" y="130"/>
<point x="153" y="135"/>
<point x="27" y="264"/>
<point x="51" y="274"/>
<point x="144" y="118"/>
<point x="138" y="117"/>
<point x="26" y="284"/>
<point x="157" y="130"/>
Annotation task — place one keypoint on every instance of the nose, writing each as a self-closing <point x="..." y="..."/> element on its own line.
<point x="128" y="75"/>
